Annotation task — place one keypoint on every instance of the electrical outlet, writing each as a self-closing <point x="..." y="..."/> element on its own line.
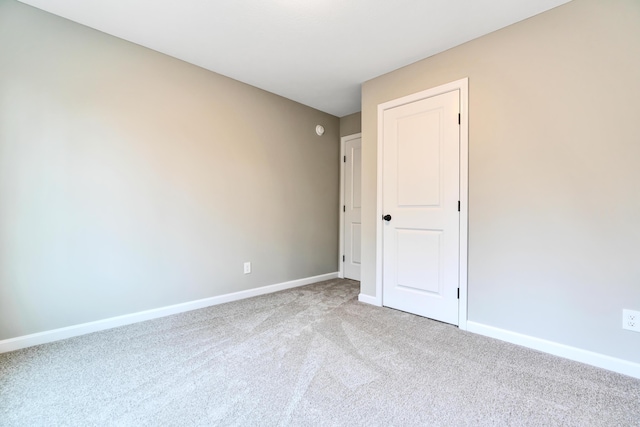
<point x="247" y="267"/>
<point x="631" y="320"/>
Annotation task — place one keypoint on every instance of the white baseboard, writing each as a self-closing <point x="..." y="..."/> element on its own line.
<point x="368" y="299"/>
<point x="573" y="353"/>
<point x="127" y="319"/>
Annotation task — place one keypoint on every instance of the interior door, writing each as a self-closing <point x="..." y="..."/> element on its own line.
<point x="421" y="187"/>
<point x="352" y="208"/>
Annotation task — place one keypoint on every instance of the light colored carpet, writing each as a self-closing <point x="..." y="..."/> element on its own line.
<point x="306" y="356"/>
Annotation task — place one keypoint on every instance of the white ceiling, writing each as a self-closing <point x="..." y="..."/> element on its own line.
<point x="316" y="52"/>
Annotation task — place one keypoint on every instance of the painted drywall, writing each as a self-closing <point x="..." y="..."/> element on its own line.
<point x="130" y="180"/>
<point x="554" y="166"/>
<point x="351" y="124"/>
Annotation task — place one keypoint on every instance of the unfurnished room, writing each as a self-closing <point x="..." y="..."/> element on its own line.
<point x="320" y="213"/>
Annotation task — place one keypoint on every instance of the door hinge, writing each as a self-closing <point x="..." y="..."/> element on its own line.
<point x="458" y="293"/>
<point x="459" y="119"/>
<point x="458" y="205"/>
<point x="345" y="159"/>
<point x="344" y="208"/>
<point x="342" y="258"/>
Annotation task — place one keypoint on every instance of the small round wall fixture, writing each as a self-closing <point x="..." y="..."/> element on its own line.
<point x="320" y="130"/>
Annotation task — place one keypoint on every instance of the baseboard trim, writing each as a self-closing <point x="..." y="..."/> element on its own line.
<point x="573" y="353"/>
<point x="25" y="341"/>
<point x="368" y="299"/>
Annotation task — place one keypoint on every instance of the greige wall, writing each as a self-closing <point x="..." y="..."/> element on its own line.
<point x="351" y="124"/>
<point x="130" y="180"/>
<point x="554" y="230"/>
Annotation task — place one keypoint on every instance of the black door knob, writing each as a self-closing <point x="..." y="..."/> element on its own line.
<point x="387" y="217"/>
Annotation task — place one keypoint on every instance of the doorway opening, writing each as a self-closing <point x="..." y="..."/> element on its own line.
<point x="422" y="203"/>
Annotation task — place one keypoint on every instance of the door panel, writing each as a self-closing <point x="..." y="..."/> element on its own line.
<point x="419" y="256"/>
<point x="419" y="159"/>
<point x="355" y="248"/>
<point x="421" y="185"/>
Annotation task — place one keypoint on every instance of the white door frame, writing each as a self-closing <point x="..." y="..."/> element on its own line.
<point x="343" y="144"/>
<point x="463" y="86"/>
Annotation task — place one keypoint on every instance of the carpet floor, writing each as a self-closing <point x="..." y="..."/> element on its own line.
<point x="310" y="356"/>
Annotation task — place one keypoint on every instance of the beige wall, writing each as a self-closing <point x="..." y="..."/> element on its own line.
<point x="351" y="124"/>
<point x="554" y="167"/>
<point x="130" y="180"/>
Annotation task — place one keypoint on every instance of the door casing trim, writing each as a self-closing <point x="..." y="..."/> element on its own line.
<point x="463" y="86"/>
<point x="343" y="145"/>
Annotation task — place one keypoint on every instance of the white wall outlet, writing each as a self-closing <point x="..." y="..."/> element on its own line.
<point x="631" y="320"/>
<point x="247" y="267"/>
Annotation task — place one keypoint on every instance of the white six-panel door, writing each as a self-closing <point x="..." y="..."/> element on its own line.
<point x="420" y="193"/>
<point x="352" y="208"/>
